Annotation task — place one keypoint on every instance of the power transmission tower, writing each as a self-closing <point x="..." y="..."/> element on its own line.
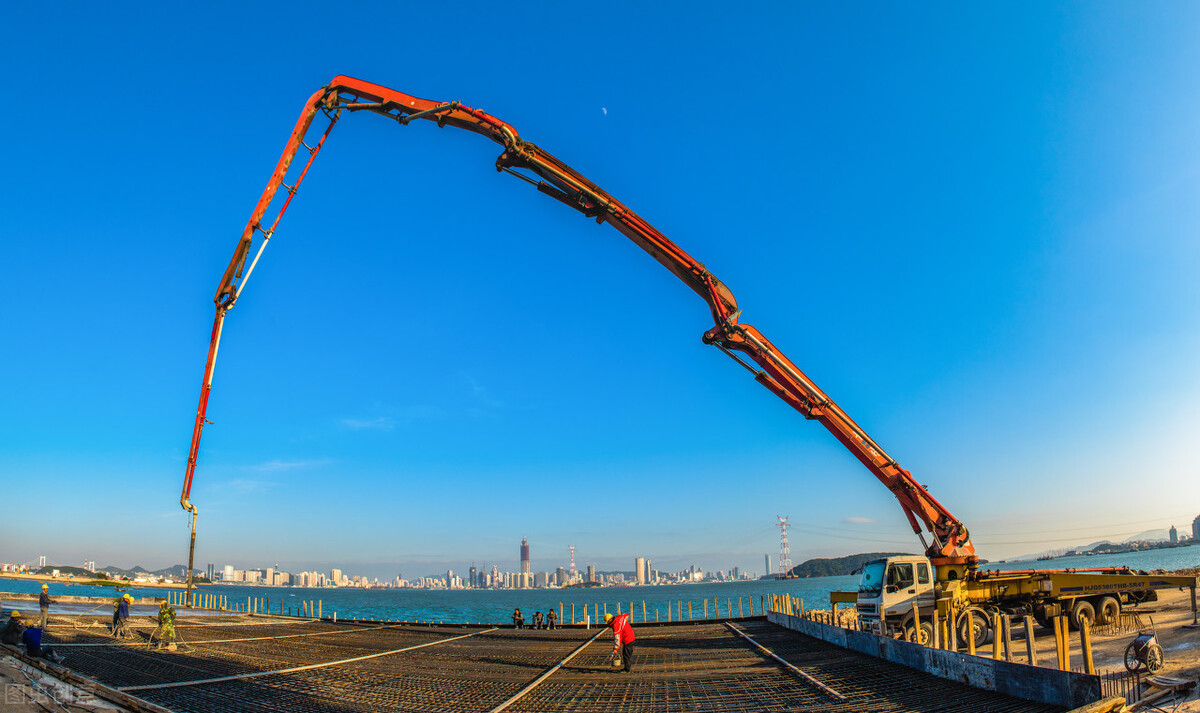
<point x="785" y="555"/>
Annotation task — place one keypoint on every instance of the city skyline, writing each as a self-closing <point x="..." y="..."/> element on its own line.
<point x="384" y="571"/>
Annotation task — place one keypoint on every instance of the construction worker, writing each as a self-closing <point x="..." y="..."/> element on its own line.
<point x="551" y="618"/>
<point x="166" y="626"/>
<point x="13" y="629"/>
<point x="44" y="602"/>
<point x="122" y="616"/>
<point x="32" y="638"/>
<point x="623" y="639"/>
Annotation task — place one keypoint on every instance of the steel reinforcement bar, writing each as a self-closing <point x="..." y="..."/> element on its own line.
<point x="354" y="630"/>
<point x="786" y="664"/>
<point x="550" y="671"/>
<point x="294" y="669"/>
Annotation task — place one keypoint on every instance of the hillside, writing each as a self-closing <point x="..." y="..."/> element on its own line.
<point x="179" y="571"/>
<point x="64" y="570"/>
<point x="837" y="566"/>
<point x="1158" y="535"/>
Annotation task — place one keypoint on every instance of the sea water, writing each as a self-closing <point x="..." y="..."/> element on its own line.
<point x="496" y="606"/>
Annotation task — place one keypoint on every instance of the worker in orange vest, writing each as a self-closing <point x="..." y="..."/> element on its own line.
<point x="623" y="639"/>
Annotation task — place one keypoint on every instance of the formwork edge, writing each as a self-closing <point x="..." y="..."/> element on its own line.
<point x="1032" y="683"/>
<point x="90" y="685"/>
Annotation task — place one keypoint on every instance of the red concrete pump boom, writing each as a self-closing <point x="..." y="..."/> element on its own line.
<point x="951" y="544"/>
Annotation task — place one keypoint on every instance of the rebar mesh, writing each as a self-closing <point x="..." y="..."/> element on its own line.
<point x="693" y="668"/>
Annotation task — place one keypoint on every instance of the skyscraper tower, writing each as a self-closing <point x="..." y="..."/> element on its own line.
<point x="572" y="571"/>
<point x="767" y="560"/>
<point x="524" y="556"/>
<point x="785" y="555"/>
<point x="639" y="566"/>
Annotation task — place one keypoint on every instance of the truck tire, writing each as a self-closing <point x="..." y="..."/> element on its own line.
<point x="922" y="635"/>
<point x="1108" y="610"/>
<point x="1082" y="611"/>
<point x="983" y="629"/>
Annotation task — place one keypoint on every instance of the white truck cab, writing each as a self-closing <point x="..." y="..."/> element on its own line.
<point x="888" y="589"/>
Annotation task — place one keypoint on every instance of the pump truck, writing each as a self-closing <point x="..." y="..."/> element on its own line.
<point x="950" y="566"/>
<point x="890" y="588"/>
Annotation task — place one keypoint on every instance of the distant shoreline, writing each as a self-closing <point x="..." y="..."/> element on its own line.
<point x="1121" y="550"/>
<point x="89" y="582"/>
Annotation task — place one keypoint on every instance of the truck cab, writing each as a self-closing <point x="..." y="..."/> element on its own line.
<point x="888" y="589"/>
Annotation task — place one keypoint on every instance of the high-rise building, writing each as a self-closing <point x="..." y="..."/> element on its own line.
<point x="228" y="573"/>
<point x="560" y="577"/>
<point x="472" y="577"/>
<point x="767" y="559"/>
<point x="336" y="577"/>
<point x="639" y="569"/>
<point x="1174" y="534"/>
<point x="591" y="573"/>
<point x="524" y="556"/>
<point x="736" y="573"/>
<point x="1196" y="528"/>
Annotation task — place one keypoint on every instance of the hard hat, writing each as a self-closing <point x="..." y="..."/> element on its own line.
<point x="15" y="614"/>
<point x="128" y="598"/>
<point x="607" y="617"/>
<point x="45" y="586"/>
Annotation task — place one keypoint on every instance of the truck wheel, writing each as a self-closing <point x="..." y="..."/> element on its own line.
<point x="1108" y="610"/>
<point x="983" y="629"/>
<point x="1083" y="611"/>
<point x="922" y="635"/>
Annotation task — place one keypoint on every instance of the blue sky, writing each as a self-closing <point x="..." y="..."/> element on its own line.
<point x="974" y="226"/>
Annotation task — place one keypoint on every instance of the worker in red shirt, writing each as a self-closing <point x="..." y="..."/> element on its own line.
<point x="623" y="638"/>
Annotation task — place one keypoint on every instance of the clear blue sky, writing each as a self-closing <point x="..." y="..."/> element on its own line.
<point x="974" y="226"/>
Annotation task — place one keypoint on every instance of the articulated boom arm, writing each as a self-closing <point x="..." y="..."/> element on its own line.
<point x="951" y="543"/>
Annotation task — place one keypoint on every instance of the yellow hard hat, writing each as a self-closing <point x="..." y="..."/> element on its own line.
<point x="15" y="614"/>
<point x="607" y="617"/>
<point x="45" y="586"/>
<point x="128" y="598"/>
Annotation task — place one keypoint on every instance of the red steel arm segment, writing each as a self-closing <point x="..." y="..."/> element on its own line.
<point x="951" y="542"/>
